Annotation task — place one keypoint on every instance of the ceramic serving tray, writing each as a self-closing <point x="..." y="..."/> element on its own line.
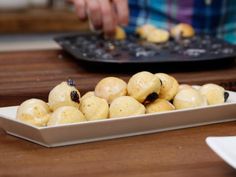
<point x="116" y="128"/>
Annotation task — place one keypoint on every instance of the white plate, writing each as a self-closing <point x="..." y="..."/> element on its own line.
<point x="225" y="147"/>
<point x="116" y="128"/>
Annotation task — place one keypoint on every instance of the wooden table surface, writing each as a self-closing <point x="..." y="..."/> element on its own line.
<point x="178" y="153"/>
<point x="43" y="20"/>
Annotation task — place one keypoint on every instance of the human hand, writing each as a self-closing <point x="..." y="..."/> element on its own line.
<point x="103" y="14"/>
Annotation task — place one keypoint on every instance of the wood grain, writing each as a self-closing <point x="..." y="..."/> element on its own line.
<point x="40" y="21"/>
<point x="180" y="153"/>
<point x="25" y="75"/>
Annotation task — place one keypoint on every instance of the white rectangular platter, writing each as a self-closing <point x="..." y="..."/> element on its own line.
<point x="119" y="127"/>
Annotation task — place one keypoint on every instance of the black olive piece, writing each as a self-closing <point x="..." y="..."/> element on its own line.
<point x="226" y="96"/>
<point x="75" y="96"/>
<point x="161" y="82"/>
<point x="151" y="97"/>
<point x="71" y="82"/>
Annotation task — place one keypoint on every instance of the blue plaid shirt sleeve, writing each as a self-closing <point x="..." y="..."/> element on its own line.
<point x="214" y="17"/>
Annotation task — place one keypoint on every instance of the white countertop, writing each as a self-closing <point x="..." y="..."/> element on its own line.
<point x="27" y="42"/>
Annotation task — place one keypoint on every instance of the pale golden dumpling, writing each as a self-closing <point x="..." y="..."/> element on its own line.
<point x="184" y="86"/>
<point x="197" y="87"/>
<point x="66" y="115"/>
<point x="159" y="105"/>
<point x="120" y="33"/>
<point x="125" y="106"/>
<point x="215" y="94"/>
<point x="110" y="88"/>
<point x="158" y="36"/>
<point x="169" y="87"/>
<point x="144" y="87"/>
<point x="94" y="108"/>
<point x="189" y="98"/>
<point x="64" y="94"/>
<point x="144" y="30"/>
<point x="34" y="112"/>
<point x="182" y="30"/>
<point x="88" y="94"/>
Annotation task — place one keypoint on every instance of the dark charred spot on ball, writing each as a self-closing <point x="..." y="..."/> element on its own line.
<point x="71" y="82"/>
<point x="151" y="97"/>
<point x="172" y="101"/>
<point x="226" y="96"/>
<point x="75" y="96"/>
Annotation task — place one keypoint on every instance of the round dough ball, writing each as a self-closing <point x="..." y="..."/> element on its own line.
<point x="144" y="30"/>
<point x="63" y="94"/>
<point x="158" y="36"/>
<point x="120" y="33"/>
<point x="160" y="105"/>
<point x="66" y="115"/>
<point x="125" y="106"/>
<point x="182" y="30"/>
<point x="86" y="95"/>
<point x="169" y="86"/>
<point x="215" y="94"/>
<point x="34" y="112"/>
<point x="184" y="86"/>
<point x="94" y="108"/>
<point x="197" y="87"/>
<point x="110" y="88"/>
<point x="189" y="98"/>
<point x="144" y="87"/>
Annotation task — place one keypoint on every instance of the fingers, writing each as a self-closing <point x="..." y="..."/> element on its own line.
<point x="94" y="13"/>
<point x="103" y="14"/>
<point x="108" y="17"/>
<point x="122" y="11"/>
<point x="80" y="8"/>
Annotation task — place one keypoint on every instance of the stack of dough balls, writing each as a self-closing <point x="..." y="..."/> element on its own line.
<point x="144" y="86"/>
<point x="110" y="88"/>
<point x="195" y="96"/>
<point x="214" y="94"/>
<point x="144" y="93"/>
<point x="153" y="34"/>
<point x="182" y="30"/>
<point x="126" y="106"/>
<point x="34" y="111"/>
<point x="120" y="33"/>
<point x="156" y="35"/>
<point x="189" y="98"/>
<point x="62" y="107"/>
